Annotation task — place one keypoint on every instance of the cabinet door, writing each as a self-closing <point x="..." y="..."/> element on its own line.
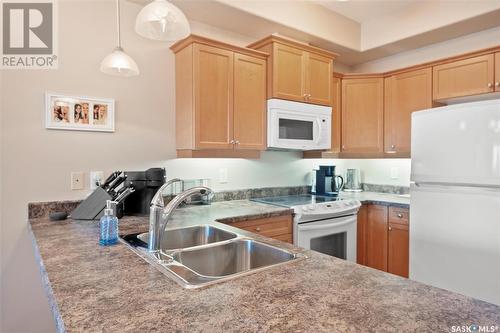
<point x="336" y="114"/>
<point x="376" y="237"/>
<point x="361" y="235"/>
<point x="288" y="73"/>
<point x="362" y="115"/>
<point x="497" y="71"/>
<point x="404" y="94"/>
<point x="398" y="255"/>
<point x="249" y="102"/>
<point x="319" y="79"/>
<point x="464" y="77"/>
<point x="213" y="79"/>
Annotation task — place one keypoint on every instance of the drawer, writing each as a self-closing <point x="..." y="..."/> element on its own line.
<point x="269" y="227"/>
<point x="399" y="215"/>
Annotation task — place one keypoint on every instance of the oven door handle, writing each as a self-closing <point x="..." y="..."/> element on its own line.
<point x="303" y="227"/>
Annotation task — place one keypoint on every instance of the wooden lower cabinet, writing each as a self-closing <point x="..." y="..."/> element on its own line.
<point x="383" y="238"/>
<point x="398" y="249"/>
<point x="376" y="237"/>
<point x="277" y="227"/>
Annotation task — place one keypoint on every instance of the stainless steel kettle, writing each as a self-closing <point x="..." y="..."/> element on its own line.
<point x="353" y="181"/>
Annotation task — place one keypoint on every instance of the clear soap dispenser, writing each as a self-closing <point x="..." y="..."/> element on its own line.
<point x="109" y="225"/>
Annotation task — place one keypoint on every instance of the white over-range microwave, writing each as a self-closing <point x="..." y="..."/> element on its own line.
<point x="298" y="126"/>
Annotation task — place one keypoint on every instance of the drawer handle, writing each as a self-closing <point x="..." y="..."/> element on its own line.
<point x="400" y="215"/>
<point x="257" y="229"/>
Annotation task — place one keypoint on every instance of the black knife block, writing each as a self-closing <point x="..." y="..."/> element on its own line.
<point x="92" y="207"/>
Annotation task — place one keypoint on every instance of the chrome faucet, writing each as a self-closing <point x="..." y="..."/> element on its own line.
<point x="160" y="214"/>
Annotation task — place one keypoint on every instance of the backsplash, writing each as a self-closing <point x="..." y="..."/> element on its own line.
<point x="43" y="209"/>
<point x="385" y="188"/>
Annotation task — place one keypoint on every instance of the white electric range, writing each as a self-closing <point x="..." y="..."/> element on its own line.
<point x="321" y="223"/>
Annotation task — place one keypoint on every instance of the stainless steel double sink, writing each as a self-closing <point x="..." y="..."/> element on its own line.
<point x="196" y="256"/>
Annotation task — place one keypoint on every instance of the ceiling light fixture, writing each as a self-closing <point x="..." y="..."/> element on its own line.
<point x="118" y="63"/>
<point x="161" y="20"/>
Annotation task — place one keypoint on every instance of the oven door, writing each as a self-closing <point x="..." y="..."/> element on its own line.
<point x="335" y="237"/>
<point x="298" y="130"/>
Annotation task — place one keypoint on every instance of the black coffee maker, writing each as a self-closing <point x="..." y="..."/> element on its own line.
<point x="327" y="183"/>
<point x="146" y="184"/>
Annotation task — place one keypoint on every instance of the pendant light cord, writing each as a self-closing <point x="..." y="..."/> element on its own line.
<point x="118" y="23"/>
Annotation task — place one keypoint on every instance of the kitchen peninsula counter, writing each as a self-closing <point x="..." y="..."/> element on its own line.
<point x="94" y="288"/>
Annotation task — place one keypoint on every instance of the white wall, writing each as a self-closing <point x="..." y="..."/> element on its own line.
<point x="473" y="42"/>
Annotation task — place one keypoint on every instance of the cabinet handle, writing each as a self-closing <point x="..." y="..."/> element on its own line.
<point x="390" y="228"/>
<point x="497" y="84"/>
<point x="231" y="142"/>
<point x="400" y="215"/>
<point x="343" y="147"/>
<point x="237" y="142"/>
<point x="393" y="146"/>
<point x="257" y="229"/>
<point x="308" y="95"/>
<point x="490" y="85"/>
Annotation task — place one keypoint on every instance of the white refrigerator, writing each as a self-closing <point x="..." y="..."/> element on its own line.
<point x="455" y="199"/>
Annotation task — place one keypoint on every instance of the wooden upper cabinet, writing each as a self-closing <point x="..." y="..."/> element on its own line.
<point x="404" y="94"/>
<point x="376" y="237"/>
<point x="319" y="79"/>
<point x="336" y="114"/>
<point x="297" y="71"/>
<point x="363" y="116"/>
<point x="249" y="102"/>
<point x="213" y="77"/>
<point x="288" y="73"/>
<point x="497" y="71"/>
<point x="466" y="77"/>
<point x="220" y="99"/>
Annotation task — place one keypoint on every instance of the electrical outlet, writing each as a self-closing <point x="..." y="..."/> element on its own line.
<point x="223" y="175"/>
<point x="394" y="173"/>
<point x="96" y="179"/>
<point x="77" y="180"/>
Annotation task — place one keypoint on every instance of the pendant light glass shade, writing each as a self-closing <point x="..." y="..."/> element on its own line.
<point x="118" y="63"/>
<point x="160" y="20"/>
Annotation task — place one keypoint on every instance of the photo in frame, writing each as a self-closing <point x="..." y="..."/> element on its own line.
<point x="79" y="113"/>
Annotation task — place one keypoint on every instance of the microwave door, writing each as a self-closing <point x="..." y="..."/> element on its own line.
<point x="296" y="132"/>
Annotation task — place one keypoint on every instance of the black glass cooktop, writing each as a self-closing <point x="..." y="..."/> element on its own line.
<point x="295" y="200"/>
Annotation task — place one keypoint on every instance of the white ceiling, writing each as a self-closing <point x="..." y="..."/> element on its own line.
<point x="365" y="10"/>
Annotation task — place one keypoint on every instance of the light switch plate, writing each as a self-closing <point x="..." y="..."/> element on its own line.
<point x="77" y="180"/>
<point x="223" y="175"/>
<point x="96" y="177"/>
<point x="394" y="173"/>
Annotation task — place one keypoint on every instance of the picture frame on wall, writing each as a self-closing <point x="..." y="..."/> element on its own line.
<point x="79" y="113"/>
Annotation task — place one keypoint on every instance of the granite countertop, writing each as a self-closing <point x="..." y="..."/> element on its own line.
<point x="379" y="198"/>
<point x="94" y="288"/>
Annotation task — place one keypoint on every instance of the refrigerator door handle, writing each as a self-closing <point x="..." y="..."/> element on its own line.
<point x="419" y="184"/>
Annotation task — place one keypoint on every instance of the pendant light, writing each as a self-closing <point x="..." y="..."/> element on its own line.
<point x="161" y="20"/>
<point x="118" y="63"/>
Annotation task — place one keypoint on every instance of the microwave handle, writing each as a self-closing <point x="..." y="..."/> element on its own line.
<point x="303" y="227"/>
<point x="318" y="138"/>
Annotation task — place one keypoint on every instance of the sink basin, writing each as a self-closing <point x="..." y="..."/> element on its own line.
<point x="182" y="238"/>
<point x="238" y="256"/>
<point x="198" y="256"/>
